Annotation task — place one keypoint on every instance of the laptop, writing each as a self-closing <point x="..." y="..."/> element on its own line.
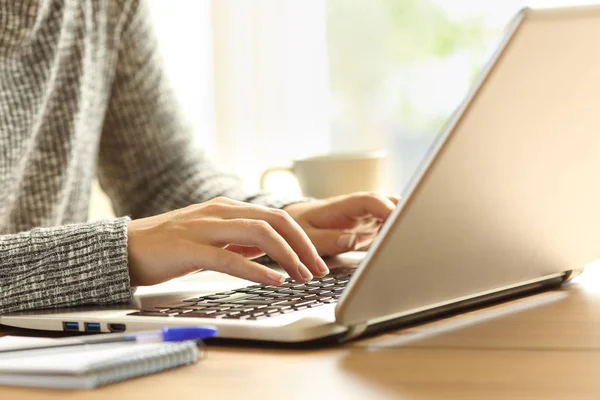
<point x="506" y="203"/>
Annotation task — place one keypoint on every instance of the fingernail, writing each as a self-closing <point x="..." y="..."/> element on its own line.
<point x="321" y="266"/>
<point x="275" y="277"/>
<point x="305" y="273"/>
<point x="347" y="241"/>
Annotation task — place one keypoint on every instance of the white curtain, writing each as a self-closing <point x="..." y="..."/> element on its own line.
<point x="252" y="76"/>
<point x="271" y="92"/>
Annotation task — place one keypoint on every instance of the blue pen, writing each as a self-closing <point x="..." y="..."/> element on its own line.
<point x="173" y="334"/>
<point x="166" y="334"/>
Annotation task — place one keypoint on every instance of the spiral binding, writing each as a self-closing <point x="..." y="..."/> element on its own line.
<point x="167" y="356"/>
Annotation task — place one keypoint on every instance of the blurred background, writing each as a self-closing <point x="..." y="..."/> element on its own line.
<point x="268" y="81"/>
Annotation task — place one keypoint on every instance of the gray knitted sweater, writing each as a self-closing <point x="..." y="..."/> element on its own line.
<point x="83" y="94"/>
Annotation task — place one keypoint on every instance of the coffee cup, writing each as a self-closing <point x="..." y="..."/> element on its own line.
<point x="334" y="174"/>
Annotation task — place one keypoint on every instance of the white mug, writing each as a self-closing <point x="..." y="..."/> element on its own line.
<point x="335" y="174"/>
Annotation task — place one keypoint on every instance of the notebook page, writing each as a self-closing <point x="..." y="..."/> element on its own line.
<point x="15" y="342"/>
<point x="73" y="360"/>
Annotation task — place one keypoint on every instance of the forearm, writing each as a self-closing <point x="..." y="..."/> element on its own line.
<point x="64" y="266"/>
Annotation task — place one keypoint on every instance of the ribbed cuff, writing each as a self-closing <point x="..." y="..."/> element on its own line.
<point x="65" y="266"/>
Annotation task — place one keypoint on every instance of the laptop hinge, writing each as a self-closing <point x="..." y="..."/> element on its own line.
<point x="353" y="332"/>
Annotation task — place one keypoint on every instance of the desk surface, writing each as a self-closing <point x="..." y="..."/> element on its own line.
<point x="541" y="347"/>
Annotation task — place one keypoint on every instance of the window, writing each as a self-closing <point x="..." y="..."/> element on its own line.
<point x="399" y="68"/>
<point x="267" y="81"/>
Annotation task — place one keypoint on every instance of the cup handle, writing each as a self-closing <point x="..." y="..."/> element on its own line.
<point x="268" y="171"/>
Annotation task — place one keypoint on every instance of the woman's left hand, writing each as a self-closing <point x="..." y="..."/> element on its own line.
<point x="343" y="223"/>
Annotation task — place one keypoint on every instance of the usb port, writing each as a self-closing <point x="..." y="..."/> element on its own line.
<point x="92" y="327"/>
<point x="71" y="326"/>
<point x="116" y="327"/>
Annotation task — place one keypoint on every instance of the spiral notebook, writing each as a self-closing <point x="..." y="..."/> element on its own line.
<point x="89" y="366"/>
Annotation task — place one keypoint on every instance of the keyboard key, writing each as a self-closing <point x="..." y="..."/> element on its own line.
<point x="230" y="305"/>
<point x="290" y="291"/>
<point x="200" y="308"/>
<point x="232" y="297"/>
<point x="277" y="308"/>
<point x="302" y="303"/>
<point x="288" y="299"/>
<point x="216" y="297"/>
<point x="298" y="285"/>
<point x="177" y="305"/>
<point x="260" y="298"/>
<point x="194" y="315"/>
<point x="256" y="302"/>
<point x="261" y="291"/>
<point x="243" y="290"/>
<point x="236" y="313"/>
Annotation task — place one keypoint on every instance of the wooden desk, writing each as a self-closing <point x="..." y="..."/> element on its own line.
<point x="541" y="347"/>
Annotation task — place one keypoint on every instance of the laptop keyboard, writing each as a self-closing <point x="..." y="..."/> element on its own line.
<point x="258" y="302"/>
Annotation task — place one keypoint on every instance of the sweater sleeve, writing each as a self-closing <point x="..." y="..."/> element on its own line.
<point x="148" y="163"/>
<point x="64" y="266"/>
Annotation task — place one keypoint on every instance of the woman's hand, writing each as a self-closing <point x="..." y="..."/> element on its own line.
<point x="220" y="235"/>
<point x="339" y="224"/>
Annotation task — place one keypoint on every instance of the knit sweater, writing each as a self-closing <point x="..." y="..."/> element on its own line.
<point x="83" y="94"/>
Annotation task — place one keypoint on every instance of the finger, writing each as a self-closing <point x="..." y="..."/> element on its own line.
<point x="332" y="241"/>
<point x="366" y="224"/>
<point x="246" y="251"/>
<point x="286" y="226"/>
<point x="228" y="262"/>
<point x="364" y="240"/>
<point x="258" y="233"/>
<point x="361" y="204"/>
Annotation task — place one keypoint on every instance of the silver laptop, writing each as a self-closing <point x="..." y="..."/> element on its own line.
<point x="506" y="203"/>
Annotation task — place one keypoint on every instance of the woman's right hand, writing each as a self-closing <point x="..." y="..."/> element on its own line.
<point x="220" y="235"/>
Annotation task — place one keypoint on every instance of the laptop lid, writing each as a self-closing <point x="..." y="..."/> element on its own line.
<point x="510" y="192"/>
